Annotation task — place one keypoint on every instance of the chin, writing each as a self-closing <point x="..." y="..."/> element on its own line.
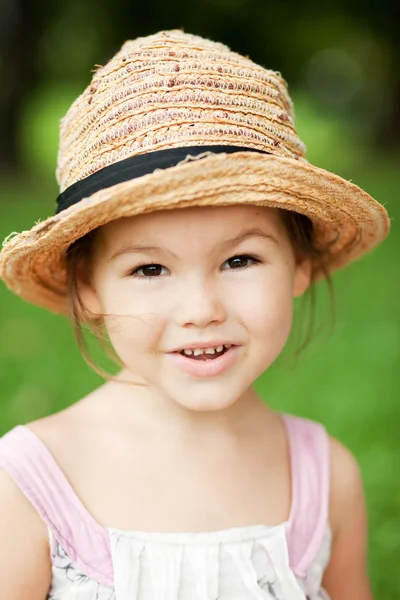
<point x="205" y="400"/>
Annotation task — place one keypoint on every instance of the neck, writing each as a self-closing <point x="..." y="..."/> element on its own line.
<point x="147" y="405"/>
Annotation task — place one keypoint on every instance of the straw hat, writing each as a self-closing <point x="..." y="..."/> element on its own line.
<point x="176" y="120"/>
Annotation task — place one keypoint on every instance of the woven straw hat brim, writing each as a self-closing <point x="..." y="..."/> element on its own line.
<point x="346" y="219"/>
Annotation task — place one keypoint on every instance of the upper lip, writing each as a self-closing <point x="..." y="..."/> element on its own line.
<point x="200" y="345"/>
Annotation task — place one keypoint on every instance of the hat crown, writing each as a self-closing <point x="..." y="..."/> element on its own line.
<point x="174" y="89"/>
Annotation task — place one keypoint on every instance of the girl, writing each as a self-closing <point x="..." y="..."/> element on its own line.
<point x="188" y="220"/>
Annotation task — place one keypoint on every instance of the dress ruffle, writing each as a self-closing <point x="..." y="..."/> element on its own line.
<point x="246" y="563"/>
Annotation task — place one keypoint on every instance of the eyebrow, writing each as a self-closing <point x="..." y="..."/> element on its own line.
<point x="244" y="235"/>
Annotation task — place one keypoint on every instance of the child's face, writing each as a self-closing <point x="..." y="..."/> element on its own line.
<point x="197" y="295"/>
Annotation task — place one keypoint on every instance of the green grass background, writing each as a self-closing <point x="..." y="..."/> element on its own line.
<point x="348" y="379"/>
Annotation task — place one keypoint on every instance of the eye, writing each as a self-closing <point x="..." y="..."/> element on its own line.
<point x="151" y="271"/>
<point x="241" y="261"/>
<point x="154" y="271"/>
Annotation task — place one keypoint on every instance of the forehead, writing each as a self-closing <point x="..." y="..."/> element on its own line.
<point x="202" y="223"/>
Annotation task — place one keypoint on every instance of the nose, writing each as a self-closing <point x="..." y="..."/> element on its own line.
<point x="200" y="303"/>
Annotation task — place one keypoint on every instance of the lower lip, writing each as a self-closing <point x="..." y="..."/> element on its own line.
<point x="205" y="368"/>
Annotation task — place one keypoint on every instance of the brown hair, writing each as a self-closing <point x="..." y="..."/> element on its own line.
<point x="79" y="259"/>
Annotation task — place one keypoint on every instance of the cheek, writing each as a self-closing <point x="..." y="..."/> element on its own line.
<point x="268" y="309"/>
<point x="135" y="322"/>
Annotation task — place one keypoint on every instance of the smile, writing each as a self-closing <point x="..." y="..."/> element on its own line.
<point x="206" y="353"/>
<point x="205" y="364"/>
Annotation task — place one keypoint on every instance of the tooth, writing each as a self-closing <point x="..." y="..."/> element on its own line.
<point x="220" y="348"/>
<point x="227" y="346"/>
<point x="210" y="350"/>
<point x="197" y="352"/>
<point x="188" y="352"/>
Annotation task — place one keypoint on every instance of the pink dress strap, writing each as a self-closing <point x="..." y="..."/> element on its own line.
<point x="33" y="468"/>
<point x="308" y="521"/>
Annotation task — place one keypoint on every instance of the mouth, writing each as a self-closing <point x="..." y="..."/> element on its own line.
<point x="204" y="354"/>
<point x="206" y="362"/>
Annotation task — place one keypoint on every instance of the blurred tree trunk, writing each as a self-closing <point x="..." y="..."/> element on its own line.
<point x="19" y="32"/>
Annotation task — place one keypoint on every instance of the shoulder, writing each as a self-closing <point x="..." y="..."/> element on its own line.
<point x="339" y="472"/>
<point x="346" y="575"/>
<point x="346" y="486"/>
<point x="14" y="506"/>
<point x="25" y="546"/>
